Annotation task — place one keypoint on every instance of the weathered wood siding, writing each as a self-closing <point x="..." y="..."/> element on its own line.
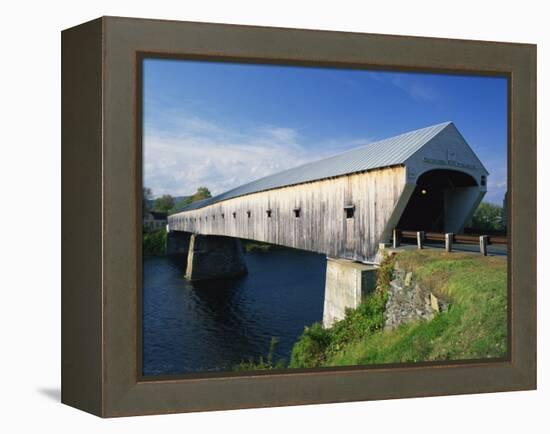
<point x="322" y="226"/>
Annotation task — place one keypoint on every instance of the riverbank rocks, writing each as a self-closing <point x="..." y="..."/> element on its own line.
<point x="409" y="302"/>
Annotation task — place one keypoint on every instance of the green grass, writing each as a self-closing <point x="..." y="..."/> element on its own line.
<point x="474" y="327"/>
<point x="154" y="243"/>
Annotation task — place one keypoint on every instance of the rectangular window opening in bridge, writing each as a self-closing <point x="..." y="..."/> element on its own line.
<point x="350" y="211"/>
<point x="223" y="215"/>
<point x="483" y="180"/>
<point x="268" y="212"/>
<point x="249" y="213"/>
<point x="297" y="212"/>
<point x="234" y="215"/>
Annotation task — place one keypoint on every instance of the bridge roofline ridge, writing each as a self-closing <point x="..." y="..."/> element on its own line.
<point x="389" y="152"/>
<point x="286" y="186"/>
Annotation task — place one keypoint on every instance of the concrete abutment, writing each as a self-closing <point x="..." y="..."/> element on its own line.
<point x="347" y="284"/>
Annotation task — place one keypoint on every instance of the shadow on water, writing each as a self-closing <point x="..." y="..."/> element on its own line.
<point x="216" y="294"/>
<point x="189" y="327"/>
<point x="178" y="260"/>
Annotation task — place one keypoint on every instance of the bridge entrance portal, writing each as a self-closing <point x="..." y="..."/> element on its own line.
<point x="440" y="201"/>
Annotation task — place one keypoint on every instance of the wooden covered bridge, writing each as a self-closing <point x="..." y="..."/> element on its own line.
<point x="343" y="206"/>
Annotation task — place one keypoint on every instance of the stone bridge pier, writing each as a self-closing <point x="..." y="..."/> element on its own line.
<point x="177" y="244"/>
<point x="207" y="256"/>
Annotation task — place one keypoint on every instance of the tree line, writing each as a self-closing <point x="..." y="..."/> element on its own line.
<point x="168" y="204"/>
<point x="488" y="216"/>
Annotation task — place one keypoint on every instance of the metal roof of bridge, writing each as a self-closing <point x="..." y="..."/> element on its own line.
<point x="383" y="153"/>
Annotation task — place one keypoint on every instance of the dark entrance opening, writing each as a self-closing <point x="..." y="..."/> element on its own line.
<point x="425" y="210"/>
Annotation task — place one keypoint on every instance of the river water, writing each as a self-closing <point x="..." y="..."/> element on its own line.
<point x="193" y="327"/>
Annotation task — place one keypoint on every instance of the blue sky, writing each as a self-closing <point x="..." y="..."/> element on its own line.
<point x="222" y="124"/>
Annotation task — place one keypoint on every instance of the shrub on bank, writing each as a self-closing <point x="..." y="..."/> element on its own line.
<point x="317" y="344"/>
<point x="154" y="243"/>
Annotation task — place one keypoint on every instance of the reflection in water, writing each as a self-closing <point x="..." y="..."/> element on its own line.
<point x="190" y="327"/>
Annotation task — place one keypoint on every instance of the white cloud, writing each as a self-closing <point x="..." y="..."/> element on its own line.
<point x="196" y="152"/>
<point x="287" y="135"/>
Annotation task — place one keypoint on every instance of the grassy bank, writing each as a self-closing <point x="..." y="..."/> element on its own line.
<point x="154" y="243"/>
<point x="473" y="327"/>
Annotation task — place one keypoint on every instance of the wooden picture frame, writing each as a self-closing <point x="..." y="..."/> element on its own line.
<point x="101" y="194"/>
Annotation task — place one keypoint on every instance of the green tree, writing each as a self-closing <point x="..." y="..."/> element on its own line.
<point x="488" y="216"/>
<point x="201" y="194"/>
<point x="146" y="201"/>
<point x="164" y="203"/>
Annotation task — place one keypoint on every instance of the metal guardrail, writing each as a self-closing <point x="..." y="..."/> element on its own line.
<point x="449" y="238"/>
